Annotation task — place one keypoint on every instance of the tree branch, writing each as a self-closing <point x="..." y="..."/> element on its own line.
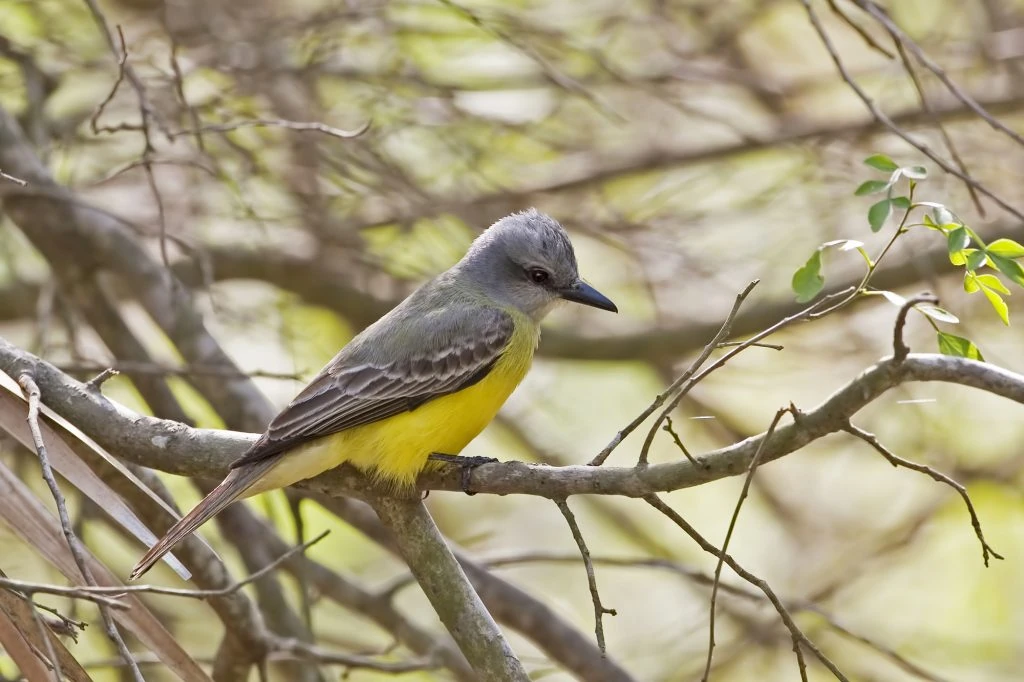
<point x="175" y="448"/>
<point x="448" y="590"/>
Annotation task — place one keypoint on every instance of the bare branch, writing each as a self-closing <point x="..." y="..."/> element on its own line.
<point x="722" y="335"/>
<point x="448" y="590"/>
<point x="97" y="381"/>
<point x="899" y="348"/>
<point x="599" y="608"/>
<point x="174" y="448"/>
<point x="677" y="440"/>
<point x="90" y="591"/>
<point x="74" y="544"/>
<point x="872" y="440"/>
<point x="300" y="126"/>
<point x="728" y="537"/>
<point x="310" y="652"/>
<point x="888" y="122"/>
<point x="510" y="605"/>
<point x="701" y="578"/>
<point x="799" y="638"/>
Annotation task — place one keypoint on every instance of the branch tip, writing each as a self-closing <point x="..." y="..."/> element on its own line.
<point x="899" y="348"/>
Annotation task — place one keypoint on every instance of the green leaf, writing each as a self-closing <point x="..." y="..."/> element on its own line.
<point x="872" y="187"/>
<point x="957" y="240"/>
<point x="881" y="162"/>
<point x="950" y="344"/>
<point x="976" y="259"/>
<point x="901" y="202"/>
<point x="878" y="214"/>
<point x="992" y="282"/>
<point x="971" y="282"/>
<point x="808" y="281"/>
<point x="1008" y="267"/>
<point x="915" y="172"/>
<point x="940" y="314"/>
<point x="999" y="304"/>
<point x="1006" y="248"/>
<point x="960" y="257"/>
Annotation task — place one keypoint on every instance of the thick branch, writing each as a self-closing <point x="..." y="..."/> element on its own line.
<point x="448" y="590"/>
<point x="509" y="604"/>
<point x="175" y="448"/>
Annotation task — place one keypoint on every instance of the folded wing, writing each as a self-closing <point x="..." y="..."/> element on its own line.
<point x="368" y="384"/>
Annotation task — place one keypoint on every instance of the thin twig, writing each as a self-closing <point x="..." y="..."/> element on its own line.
<point x="300" y="126"/>
<point x="755" y="460"/>
<point x="122" y="65"/>
<point x="769" y="346"/>
<point x="678" y="441"/>
<point x="888" y="123"/>
<point x="146" y="113"/>
<point x="723" y="333"/>
<point x="926" y="106"/>
<point x="861" y="31"/>
<point x="599" y="608"/>
<point x="297" y="649"/>
<point x="152" y="368"/>
<point x="44" y="634"/>
<point x="126" y="72"/>
<point x="107" y="595"/>
<point x="61" y="624"/>
<point x="179" y="85"/>
<point x="702" y="578"/>
<point x="897" y="461"/>
<point x="97" y="381"/>
<point x="883" y="18"/>
<point x="899" y="348"/>
<point x="796" y="634"/>
<point x="690" y="381"/>
<point x="32" y="392"/>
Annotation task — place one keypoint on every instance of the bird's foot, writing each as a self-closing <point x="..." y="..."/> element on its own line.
<point x="465" y="464"/>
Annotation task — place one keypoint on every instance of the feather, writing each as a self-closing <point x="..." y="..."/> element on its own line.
<point x="354" y="390"/>
<point x="230" y="489"/>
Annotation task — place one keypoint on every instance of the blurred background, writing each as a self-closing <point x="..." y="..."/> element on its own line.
<point x="689" y="146"/>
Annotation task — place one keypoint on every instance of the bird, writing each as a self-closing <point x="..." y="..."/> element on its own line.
<point x="422" y="381"/>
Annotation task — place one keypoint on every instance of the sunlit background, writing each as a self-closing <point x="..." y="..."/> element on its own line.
<point x="689" y="147"/>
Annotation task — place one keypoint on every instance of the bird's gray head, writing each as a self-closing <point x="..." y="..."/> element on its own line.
<point x="526" y="260"/>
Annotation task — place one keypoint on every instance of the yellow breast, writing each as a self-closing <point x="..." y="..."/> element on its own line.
<point x="396" y="449"/>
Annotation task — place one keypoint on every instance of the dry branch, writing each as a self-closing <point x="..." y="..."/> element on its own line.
<point x="175" y="448"/>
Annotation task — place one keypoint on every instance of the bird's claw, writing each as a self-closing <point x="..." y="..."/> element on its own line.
<point x="465" y="464"/>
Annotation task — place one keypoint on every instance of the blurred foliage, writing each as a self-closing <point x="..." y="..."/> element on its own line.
<point x="689" y="146"/>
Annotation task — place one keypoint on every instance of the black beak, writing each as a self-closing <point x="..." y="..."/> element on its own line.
<point x="581" y="292"/>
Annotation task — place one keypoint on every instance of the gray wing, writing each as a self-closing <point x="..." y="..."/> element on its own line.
<point x="395" y="366"/>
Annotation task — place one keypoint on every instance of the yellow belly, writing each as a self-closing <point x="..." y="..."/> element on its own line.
<point x="395" y="450"/>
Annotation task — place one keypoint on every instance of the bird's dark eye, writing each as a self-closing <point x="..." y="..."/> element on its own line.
<point x="538" y="275"/>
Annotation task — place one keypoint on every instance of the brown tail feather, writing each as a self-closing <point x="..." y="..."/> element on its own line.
<point x="229" y="490"/>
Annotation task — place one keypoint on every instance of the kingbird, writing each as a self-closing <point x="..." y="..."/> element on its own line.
<point x="424" y="379"/>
